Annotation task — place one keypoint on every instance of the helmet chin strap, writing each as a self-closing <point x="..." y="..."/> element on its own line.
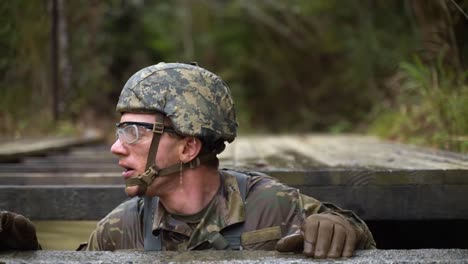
<point x="152" y="170"/>
<point x="146" y="178"/>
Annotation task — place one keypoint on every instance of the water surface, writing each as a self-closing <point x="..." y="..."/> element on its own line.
<point x="63" y="235"/>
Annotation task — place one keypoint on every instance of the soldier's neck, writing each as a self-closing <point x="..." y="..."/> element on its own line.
<point x="194" y="193"/>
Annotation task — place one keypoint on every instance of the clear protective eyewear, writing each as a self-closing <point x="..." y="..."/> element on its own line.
<point x="131" y="132"/>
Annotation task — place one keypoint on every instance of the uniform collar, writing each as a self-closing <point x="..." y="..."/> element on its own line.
<point x="226" y="208"/>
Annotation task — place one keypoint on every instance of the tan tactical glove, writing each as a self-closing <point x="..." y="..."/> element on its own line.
<point x="17" y="232"/>
<point x="322" y="236"/>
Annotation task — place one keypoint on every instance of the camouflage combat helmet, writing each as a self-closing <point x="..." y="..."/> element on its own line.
<point x="197" y="102"/>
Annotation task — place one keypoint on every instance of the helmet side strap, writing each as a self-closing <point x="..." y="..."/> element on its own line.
<point x="158" y="129"/>
<point x="147" y="178"/>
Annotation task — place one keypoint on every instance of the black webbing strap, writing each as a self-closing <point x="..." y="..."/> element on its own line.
<point x="151" y="242"/>
<point x="228" y="238"/>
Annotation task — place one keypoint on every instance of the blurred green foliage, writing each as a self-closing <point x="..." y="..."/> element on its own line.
<point x="433" y="108"/>
<point x="293" y="66"/>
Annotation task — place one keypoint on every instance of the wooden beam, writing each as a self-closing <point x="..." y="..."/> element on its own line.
<point x="61" y="202"/>
<point x="382" y="195"/>
<point x="15" y="150"/>
<point x="378" y="180"/>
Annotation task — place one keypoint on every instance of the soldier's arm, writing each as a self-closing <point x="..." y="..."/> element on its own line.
<point x="272" y="211"/>
<point x="276" y="211"/>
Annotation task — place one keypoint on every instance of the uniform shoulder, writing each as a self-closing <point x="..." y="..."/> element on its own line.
<point x="253" y="176"/>
<point x="130" y="207"/>
<point x="120" y="229"/>
<point x="260" y="182"/>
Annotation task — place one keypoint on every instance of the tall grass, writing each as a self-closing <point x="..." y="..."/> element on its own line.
<point x="431" y="108"/>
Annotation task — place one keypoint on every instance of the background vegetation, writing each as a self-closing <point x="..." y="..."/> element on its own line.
<point x="396" y="69"/>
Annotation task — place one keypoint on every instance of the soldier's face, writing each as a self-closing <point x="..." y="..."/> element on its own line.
<point x="132" y="157"/>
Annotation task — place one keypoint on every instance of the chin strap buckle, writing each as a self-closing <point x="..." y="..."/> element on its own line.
<point x="149" y="175"/>
<point x="158" y="127"/>
<point x="143" y="180"/>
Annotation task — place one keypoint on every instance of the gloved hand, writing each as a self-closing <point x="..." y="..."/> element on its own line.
<point x="17" y="232"/>
<point x="322" y="236"/>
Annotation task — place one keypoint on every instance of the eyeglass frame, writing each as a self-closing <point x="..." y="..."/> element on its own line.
<point x="120" y="130"/>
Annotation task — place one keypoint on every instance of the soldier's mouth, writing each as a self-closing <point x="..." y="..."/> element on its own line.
<point x="128" y="172"/>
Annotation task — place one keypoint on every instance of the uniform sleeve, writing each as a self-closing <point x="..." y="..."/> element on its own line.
<point x="311" y="206"/>
<point x="274" y="210"/>
<point x="120" y="229"/>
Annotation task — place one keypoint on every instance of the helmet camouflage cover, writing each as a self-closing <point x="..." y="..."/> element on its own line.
<point x="197" y="102"/>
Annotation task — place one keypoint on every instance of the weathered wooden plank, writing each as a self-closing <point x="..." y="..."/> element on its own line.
<point x="317" y="177"/>
<point x="69" y="159"/>
<point x="351" y="171"/>
<point x="381" y="202"/>
<point x="324" y="150"/>
<point x="61" y="178"/>
<point x="340" y="151"/>
<point x="425" y="202"/>
<point x="304" y="151"/>
<point x="49" y="202"/>
<point x="59" y="167"/>
<point x="366" y="177"/>
<point x="91" y="151"/>
<point x="374" y="194"/>
<point x="17" y="149"/>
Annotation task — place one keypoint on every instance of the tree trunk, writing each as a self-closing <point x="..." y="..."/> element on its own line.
<point x="55" y="87"/>
<point x="65" y="68"/>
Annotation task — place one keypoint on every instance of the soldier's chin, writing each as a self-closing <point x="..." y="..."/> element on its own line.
<point x="131" y="191"/>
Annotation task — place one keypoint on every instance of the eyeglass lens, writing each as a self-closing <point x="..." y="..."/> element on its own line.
<point x="128" y="133"/>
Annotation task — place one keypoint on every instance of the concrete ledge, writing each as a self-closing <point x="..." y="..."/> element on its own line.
<point x="365" y="256"/>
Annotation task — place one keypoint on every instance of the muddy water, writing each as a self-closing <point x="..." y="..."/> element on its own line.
<point x="63" y="235"/>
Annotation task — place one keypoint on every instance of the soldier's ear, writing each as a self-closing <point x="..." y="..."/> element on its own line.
<point x="191" y="147"/>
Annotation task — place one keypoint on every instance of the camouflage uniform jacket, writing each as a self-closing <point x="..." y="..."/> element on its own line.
<point x="271" y="211"/>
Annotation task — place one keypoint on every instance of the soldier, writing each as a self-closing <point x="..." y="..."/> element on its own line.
<point x="175" y="119"/>
<point x="17" y="232"/>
